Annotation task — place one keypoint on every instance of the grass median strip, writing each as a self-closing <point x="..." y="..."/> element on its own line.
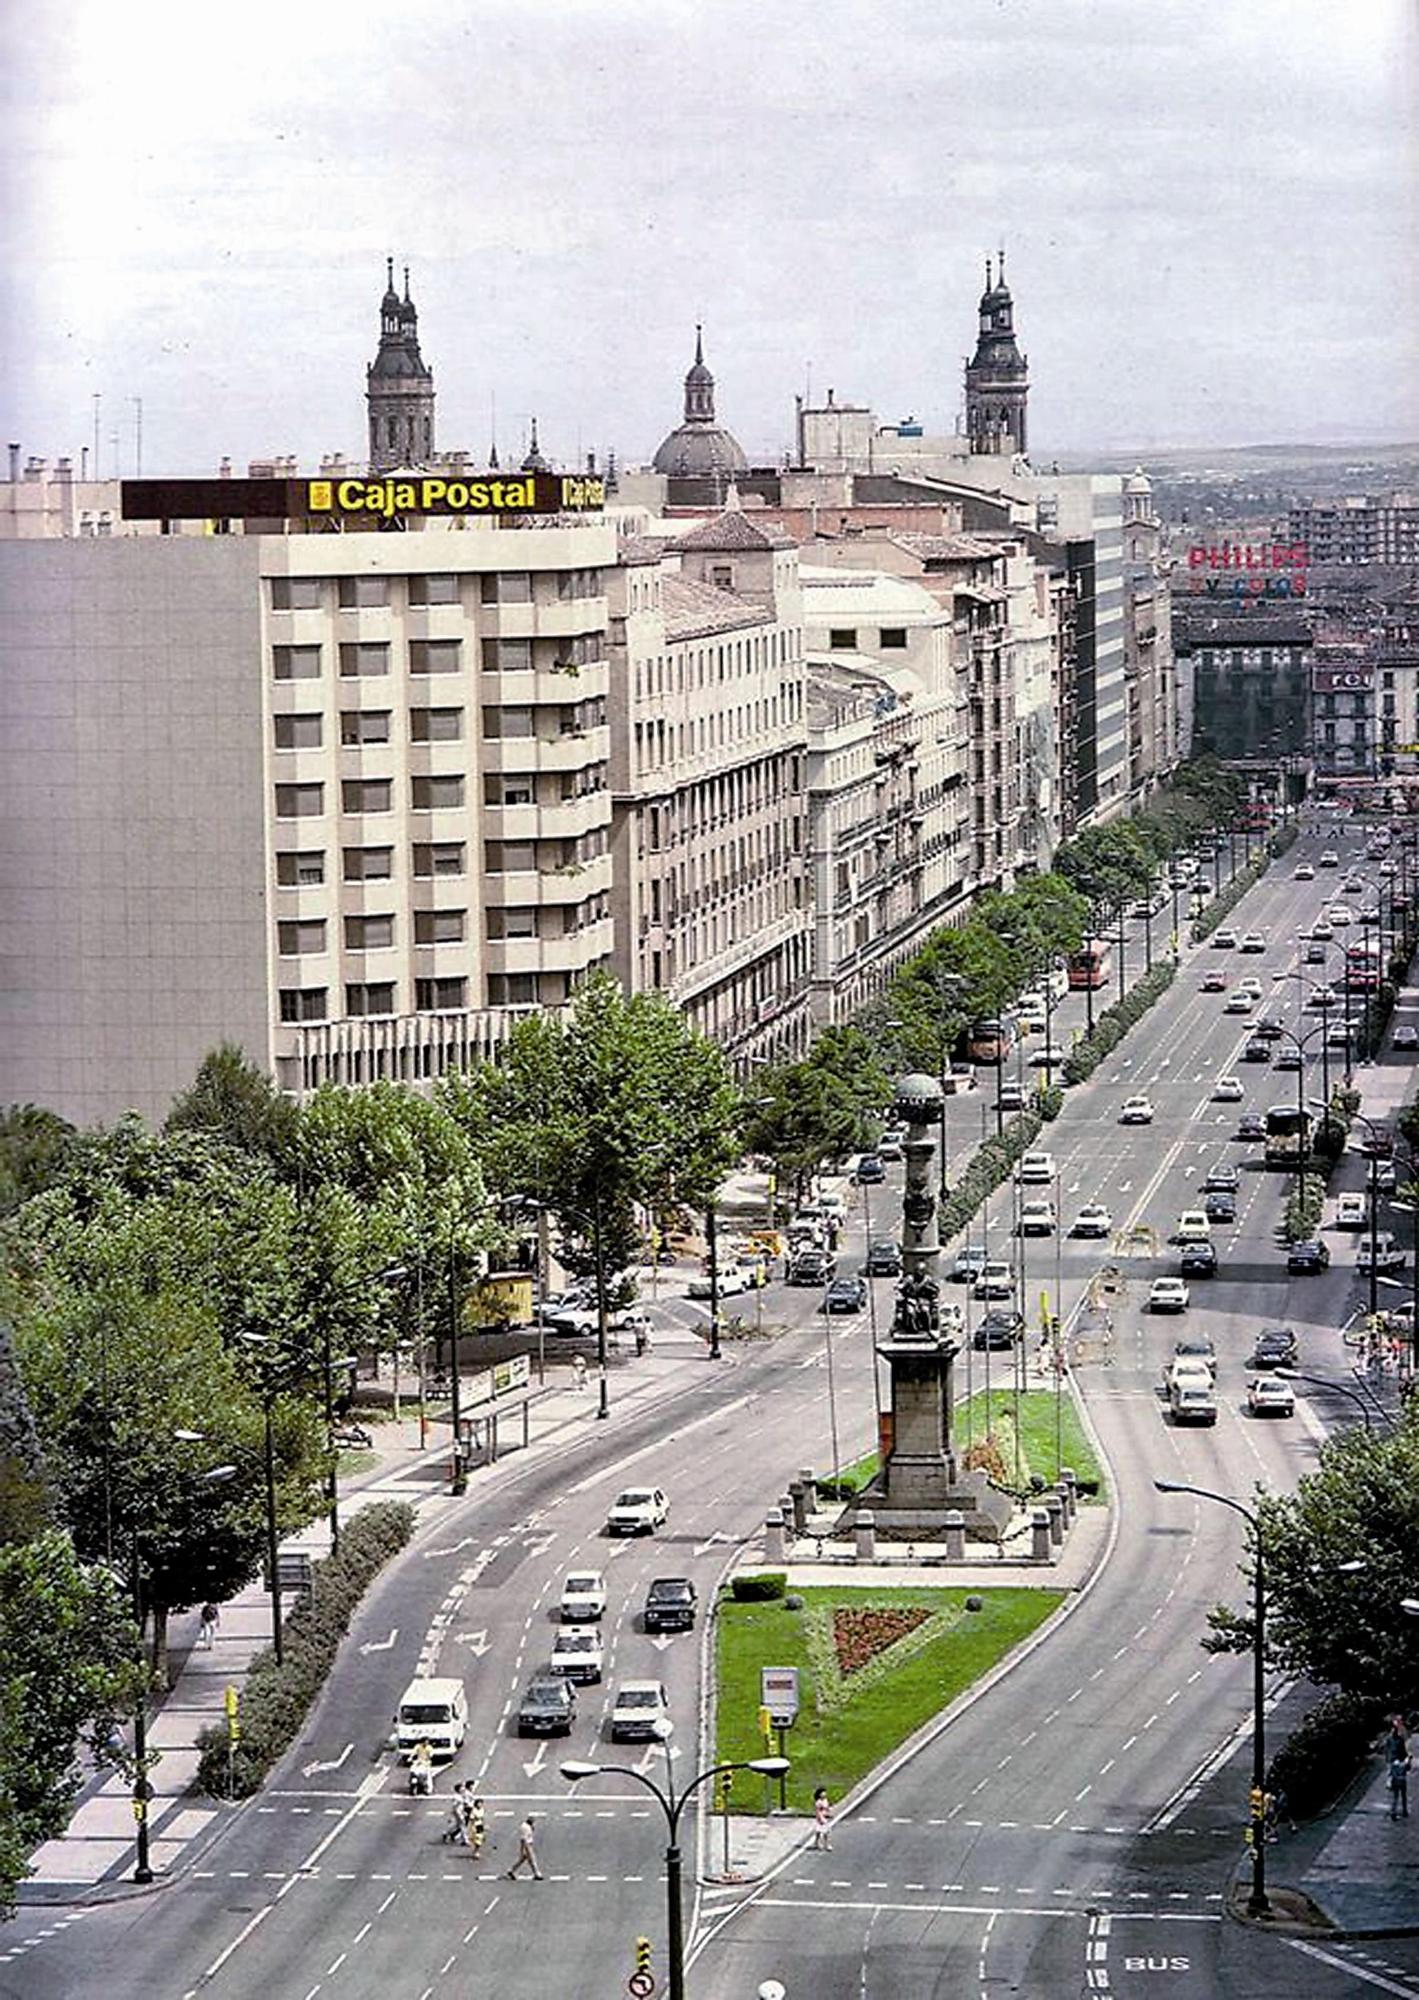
<point x="1038" y="1415"/>
<point x="858" y="1704"/>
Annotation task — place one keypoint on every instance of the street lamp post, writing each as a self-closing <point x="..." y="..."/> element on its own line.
<point x="1257" y="1903"/>
<point x="712" y="1246"/>
<point x="142" y="1790"/>
<point x="672" y="1804"/>
<point x="1329" y="1382"/>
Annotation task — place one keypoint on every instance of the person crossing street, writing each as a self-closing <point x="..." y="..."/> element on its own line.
<point x="526" y="1850"/>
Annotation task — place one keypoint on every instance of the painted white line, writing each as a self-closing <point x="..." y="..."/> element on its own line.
<point x="1355" y="1971"/>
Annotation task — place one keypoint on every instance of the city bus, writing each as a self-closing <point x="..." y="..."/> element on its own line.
<point x="1363" y="966"/>
<point x="1088" y="966"/>
<point x="990" y="1040"/>
<point x="1287" y="1128"/>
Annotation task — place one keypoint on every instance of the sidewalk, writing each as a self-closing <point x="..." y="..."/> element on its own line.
<point x="1362" y="1872"/>
<point x="94" y="1857"/>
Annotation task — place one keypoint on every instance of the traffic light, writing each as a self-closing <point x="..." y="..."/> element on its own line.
<point x="642" y="1954"/>
<point x="1256" y="1798"/>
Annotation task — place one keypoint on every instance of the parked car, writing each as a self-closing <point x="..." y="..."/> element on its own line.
<point x="1136" y="1111"/>
<point x="1012" y="1097"/>
<point x="1275" y="1348"/>
<point x="578" y="1654"/>
<point x="1049" y="1055"/>
<point x="1169" y="1295"/>
<point x="670" y="1605"/>
<point x="548" y="1706"/>
<point x="733" y="1280"/>
<point x="1376" y="1143"/>
<point x="1307" y="1259"/>
<point x="583" y="1597"/>
<point x="638" y="1710"/>
<point x="845" y="1295"/>
<point x="998" y="1329"/>
<point x="1268" y="1396"/>
<point x="1037" y="1218"/>
<point x="1093" y="1219"/>
<point x="884" y="1258"/>
<point x="1198" y="1260"/>
<point x="638" y="1510"/>
<point x="1405" y="1037"/>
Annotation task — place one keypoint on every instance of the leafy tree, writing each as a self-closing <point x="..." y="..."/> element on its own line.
<point x="232" y="1100"/>
<point x="1342" y="1627"/>
<point x="823" y="1107"/>
<point x="34" y="1144"/>
<point x="71" y="1669"/>
<point x="22" y="1487"/>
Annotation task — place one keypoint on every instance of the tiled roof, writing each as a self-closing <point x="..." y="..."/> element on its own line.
<point x="733" y="531"/>
<point x="694" y="610"/>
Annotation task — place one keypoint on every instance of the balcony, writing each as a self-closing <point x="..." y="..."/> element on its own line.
<point x="539" y="887"/>
<point x="573" y="752"/>
<point x="572" y="953"/>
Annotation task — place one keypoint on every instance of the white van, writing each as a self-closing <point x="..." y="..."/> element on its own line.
<point x="433" y="1712"/>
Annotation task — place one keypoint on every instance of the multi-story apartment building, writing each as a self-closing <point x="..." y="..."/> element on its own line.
<point x="888" y="808"/>
<point x="1083" y="513"/>
<point x="708" y="738"/>
<point x="1251" y="681"/>
<point x="1150" y="669"/>
<point x="1343" y="733"/>
<point x="1358" y="529"/>
<point x="1397" y="672"/>
<point x="341" y="798"/>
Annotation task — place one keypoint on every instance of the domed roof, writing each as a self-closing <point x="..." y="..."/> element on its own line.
<point x="1138" y="481"/>
<point x="700" y="447"/>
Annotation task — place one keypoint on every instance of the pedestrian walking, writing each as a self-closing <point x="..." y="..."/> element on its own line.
<point x="1399" y="1785"/>
<point x="579" y="1370"/>
<point x="477" y="1830"/>
<point x="822" y="1820"/>
<point x="207" y="1625"/>
<point x="455" y="1832"/>
<point x="526" y="1850"/>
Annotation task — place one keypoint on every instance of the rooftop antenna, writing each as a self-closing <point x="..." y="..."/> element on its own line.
<point x="137" y="402"/>
<point x="98" y="404"/>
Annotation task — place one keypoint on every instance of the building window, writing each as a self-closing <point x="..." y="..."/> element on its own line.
<point x="435" y="656"/>
<point x="301" y="871"/>
<point x="436" y="725"/>
<point x="842" y="639"/>
<point x="440" y="996"/>
<point x="300" y="801"/>
<point x="367" y="660"/>
<point x="304" y="935"/>
<point x="722" y="575"/>
<point x="439" y="857"/>
<point x="298" y="732"/>
<point x="513" y="586"/>
<point x="370" y="997"/>
<point x="504" y="722"/>
<point x="368" y="864"/>
<point x="512" y="989"/>
<point x="433" y="589"/>
<point x="296" y="663"/>
<point x="363" y="593"/>
<point x="502" y="791"/>
<point x="369" y="933"/>
<point x="507" y="656"/>
<point x="437" y="794"/>
<point x="440" y="926"/>
<point x="295" y="593"/>
<point x="510" y="857"/>
<point x="304" y="1003"/>
<point x="892" y="638"/>
<point x="512" y="924"/>
<point x="364" y="725"/>
<point x="367" y="795"/>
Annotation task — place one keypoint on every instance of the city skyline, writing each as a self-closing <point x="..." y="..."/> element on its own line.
<point x="1206" y="232"/>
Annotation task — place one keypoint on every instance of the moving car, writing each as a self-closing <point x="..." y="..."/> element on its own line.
<point x="1224" y="939"/>
<point x="1221" y="1180"/>
<point x="996" y="1280"/>
<point x="1252" y="941"/>
<point x="1269" y="1397"/>
<point x="811" y="1267"/>
<point x="969" y="1263"/>
<point x="1275" y="1348"/>
<point x="884" y="1258"/>
<point x="432" y="1711"/>
<point x="1220" y="1206"/>
<point x="1305" y="873"/>
<point x="1307" y="1259"/>
<point x="1227" y="1090"/>
<point x="1315" y="953"/>
<point x="1049" y="1055"/>
<point x="1257" y="1050"/>
<point x="1321" y="933"/>
<point x="1251" y="1125"/>
<point x="1339" y="914"/>
<point x="1379" y="1252"/>
<point x="1168" y="1295"/>
<point x="1035" y="1169"/>
<point x="583" y="1597"/>
<point x="638" y="1510"/>
<point x="1330" y="859"/>
<point x="1288" y="1060"/>
<point x="1037" y="1218"/>
<point x="639" y="1708"/>
<point x="998" y="1329"/>
<point x="548" y="1706"/>
<point x="1136" y="1111"/>
<point x="1269" y="1030"/>
<point x="670" y="1605"/>
<point x="1196" y="1349"/>
<point x="1251" y="987"/>
<point x="1193" y="1402"/>
<point x="890" y="1145"/>
<point x="1376" y="1143"/>
<point x="870" y="1170"/>
<point x="1193" y="1227"/>
<point x="1213" y="982"/>
<point x="1093" y="1219"/>
<point x="1238" y="1003"/>
<point x="1012" y="1097"/>
<point x="1198" y="1260"/>
<point x="1406" y="1037"/>
<point x="845" y="1295"/>
<point x="1352" y="1211"/>
<point x="578" y="1654"/>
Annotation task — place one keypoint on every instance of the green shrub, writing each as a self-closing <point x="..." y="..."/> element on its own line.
<point x="1049" y="1103"/>
<point x="1222" y="905"/>
<point x="1114" y="1023"/>
<point x="276" y="1699"/>
<point x="991" y="1165"/>
<point x="1303" y="1210"/>
<point x="758" y="1587"/>
<point x="1284" y="837"/>
<point x="1318" y="1760"/>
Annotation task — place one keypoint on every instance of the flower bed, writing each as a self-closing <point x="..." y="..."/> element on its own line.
<point x="859" y="1635"/>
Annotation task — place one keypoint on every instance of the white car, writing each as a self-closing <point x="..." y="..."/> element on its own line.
<point x="1268" y="1396"/>
<point x="1037" y="1218"/>
<point x="639" y="1510"/>
<point x="639" y="1710"/>
<point x="578" y="1654"/>
<point x="733" y="1279"/>
<point x="996" y="1280"/>
<point x="1252" y="941"/>
<point x="587" y="1319"/>
<point x="1238" y="1003"/>
<point x="1321" y="933"/>
<point x="1193" y="1227"/>
<point x="1352" y="1211"/>
<point x="1228" y="1090"/>
<point x="1305" y="873"/>
<point x="1330" y="859"/>
<point x="1381" y="1250"/>
<point x="1093" y="1219"/>
<point x="1136" y="1111"/>
<point x="1035" y="1169"/>
<point x="1168" y="1295"/>
<point x="1250" y="986"/>
<point x="583" y="1600"/>
<point x="1225" y="940"/>
<point x="1185" y="1369"/>
<point x="1049" y="1055"/>
<point x="1339" y="914"/>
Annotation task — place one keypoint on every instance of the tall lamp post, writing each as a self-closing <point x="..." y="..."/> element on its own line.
<point x="672" y="1804"/>
<point x="1257" y="1903"/>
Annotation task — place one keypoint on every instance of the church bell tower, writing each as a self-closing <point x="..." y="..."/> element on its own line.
<point x="997" y="376"/>
<point x="399" y="389"/>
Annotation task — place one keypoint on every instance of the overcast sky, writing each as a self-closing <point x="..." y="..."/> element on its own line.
<point x="1209" y="211"/>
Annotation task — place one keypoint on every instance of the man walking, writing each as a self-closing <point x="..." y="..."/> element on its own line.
<point x="526" y="1850"/>
<point x="1399" y="1783"/>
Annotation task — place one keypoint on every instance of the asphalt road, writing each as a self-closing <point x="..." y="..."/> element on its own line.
<point x="983" y="1858"/>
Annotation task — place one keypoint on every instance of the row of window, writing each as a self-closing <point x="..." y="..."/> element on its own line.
<point x="370" y="659"/>
<point x="890" y="639"/>
<point x="304" y="868"/>
<point x="691" y="666"/>
<point x="373" y="593"/>
<point x="373" y="996"/>
<point x="370" y="795"/>
<point x="371" y="933"/>
<point x="361" y="726"/>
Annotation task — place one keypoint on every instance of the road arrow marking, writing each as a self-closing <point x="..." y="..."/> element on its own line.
<point x="380" y="1645"/>
<point x="717" y="1537"/>
<point x="531" y="1770"/>
<point x="476" y="1642"/>
<point x="466" y="1543"/>
<point x="539" y="1542"/>
<point x="333" y="1764"/>
<point x="662" y="1639"/>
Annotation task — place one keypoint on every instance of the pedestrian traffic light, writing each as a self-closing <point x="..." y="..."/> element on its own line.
<point x="642" y="1954"/>
<point x="1257" y="1801"/>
